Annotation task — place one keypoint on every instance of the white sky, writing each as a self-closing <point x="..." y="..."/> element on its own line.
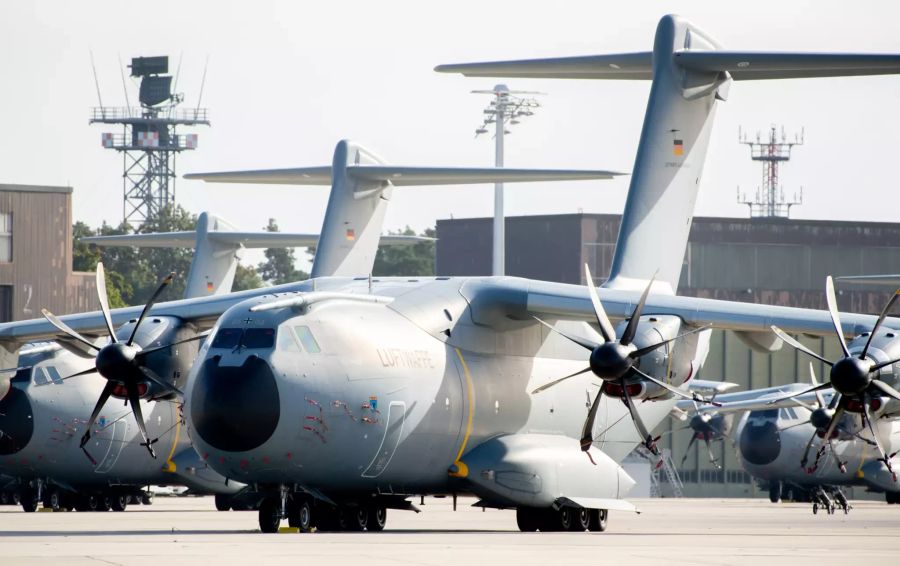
<point x="287" y="80"/>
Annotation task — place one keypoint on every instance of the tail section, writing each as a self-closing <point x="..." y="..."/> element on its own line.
<point x="690" y="74"/>
<point x="361" y="188"/>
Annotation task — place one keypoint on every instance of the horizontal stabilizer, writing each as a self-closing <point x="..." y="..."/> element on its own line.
<point x="741" y="65"/>
<point x="749" y="65"/>
<point x="404" y="176"/>
<point x="622" y="66"/>
<point x="235" y="239"/>
<point x="871" y="279"/>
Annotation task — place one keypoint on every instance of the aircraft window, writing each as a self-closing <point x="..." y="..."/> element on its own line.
<point x="766" y="414"/>
<point x="286" y="343"/>
<point x="227" y="338"/>
<point x="788" y="413"/>
<point x="258" y="338"/>
<point x="307" y="339"/>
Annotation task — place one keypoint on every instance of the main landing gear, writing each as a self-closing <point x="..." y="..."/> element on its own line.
<point x="307" y="515"/>
<point x="530" y="519"/>
<point x="829" y="499"/>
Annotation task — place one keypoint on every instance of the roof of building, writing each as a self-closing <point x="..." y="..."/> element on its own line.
<point x="10" y="188"/>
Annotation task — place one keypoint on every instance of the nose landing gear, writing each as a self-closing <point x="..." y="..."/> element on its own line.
<point x="829" y="499"/>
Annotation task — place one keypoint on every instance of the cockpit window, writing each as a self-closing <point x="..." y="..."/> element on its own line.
<point x="227" y="338"/>
<point x="307" y="339"/>
<point x="253" y="338"/>
<point x="259" y="338"/>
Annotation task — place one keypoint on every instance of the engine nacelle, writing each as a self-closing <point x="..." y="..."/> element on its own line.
<point x="538" y="470"/>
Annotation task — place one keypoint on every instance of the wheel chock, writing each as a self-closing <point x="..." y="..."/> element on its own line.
<point x="288" y="530"/>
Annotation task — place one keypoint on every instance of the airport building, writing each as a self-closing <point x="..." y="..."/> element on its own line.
<point x="764" y="260"/>
<point x="36" y="254"/>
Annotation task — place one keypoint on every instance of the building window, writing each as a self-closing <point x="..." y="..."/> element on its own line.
<point x="5" y="237"/>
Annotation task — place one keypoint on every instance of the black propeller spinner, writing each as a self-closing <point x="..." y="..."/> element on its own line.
<point x="853" y="379"/>
<point x="613" y="360"/>
<point x="120" y="363"/>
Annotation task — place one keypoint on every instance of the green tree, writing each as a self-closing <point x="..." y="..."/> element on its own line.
<point x="417" y="259"/>
<point x="246" y="278"/>
<point x="84" y="256"/>
<point x="279" y="265"/>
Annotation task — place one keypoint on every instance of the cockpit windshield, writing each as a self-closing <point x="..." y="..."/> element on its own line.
<point x="251" y="338"/>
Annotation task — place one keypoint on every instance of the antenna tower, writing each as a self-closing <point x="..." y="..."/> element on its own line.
<point x="148" y="140"/>
<point x="769" y="201"/>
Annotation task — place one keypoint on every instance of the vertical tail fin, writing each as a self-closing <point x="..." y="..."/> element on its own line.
<point x="689" y="73"/>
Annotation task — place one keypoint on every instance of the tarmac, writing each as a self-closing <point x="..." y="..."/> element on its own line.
<point x="188" y="530"/>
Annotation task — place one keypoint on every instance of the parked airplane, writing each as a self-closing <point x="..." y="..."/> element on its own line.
<point x="44" y="416"/>
<point x="339" y="398"/>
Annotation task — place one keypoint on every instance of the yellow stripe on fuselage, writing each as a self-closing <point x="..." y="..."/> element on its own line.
<point x="461" y="468"/>
<point x="170" y="465"/>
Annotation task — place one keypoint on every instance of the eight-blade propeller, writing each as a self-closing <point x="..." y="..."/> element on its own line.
<point x="852" y="377"/>
<point x="613" y="360"/>
<point x="120" y="363"/>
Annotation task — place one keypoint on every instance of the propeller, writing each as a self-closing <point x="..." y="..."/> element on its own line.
<point x="614" y="360"/>
<point x="852" y="377"/>
<point x="120" y="363"/>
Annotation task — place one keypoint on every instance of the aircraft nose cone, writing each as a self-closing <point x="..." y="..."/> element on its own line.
<point x="16" y="421"/>
<point x="235" y="409"/>
<point x="760" y="443"/>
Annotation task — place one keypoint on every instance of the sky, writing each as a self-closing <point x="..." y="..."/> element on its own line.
<point x="286" y="80"/>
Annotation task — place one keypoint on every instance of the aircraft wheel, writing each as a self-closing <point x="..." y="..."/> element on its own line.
<point x="561" y="520"/>
<point x="300" y="514"/>
<point x="377" y="519"/>
<point x="4" y="498"/>
<point x="269" y="515"/>
<point x="147" y="498"/>
<point x="356" y="518"/>
<point x="104" y="503"/>
<point x="815" y="508"/>
<point x="775" y="491"/>
<point x="119" y="502"/>
<point x="528" y="519"/>
<point x="598" y="520"/>
<point x="223" y="502"/>
<point x="52" y="500"/>
<point x="581" y="521"/>
<point x="891" y="498"/>
<point x="29" y="500"/>
<point x="327" y="518"/>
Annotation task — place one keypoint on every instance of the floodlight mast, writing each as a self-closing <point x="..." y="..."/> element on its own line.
<point x="504" y="108"/>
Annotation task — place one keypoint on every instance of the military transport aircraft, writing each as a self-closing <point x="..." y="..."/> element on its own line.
<point x="48" y="443"/>
<point x="60" y="476"/>
<point x="337" y="398"/>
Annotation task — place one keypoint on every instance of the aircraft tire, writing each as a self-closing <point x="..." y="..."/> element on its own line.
<point x="377" y="518"/>
<point x="775" y="491"/>
<point x="104" y="503"/>
<point x="269" y="515"/>
<point x="119" y="502"/>
<point x="223" y="502"/>
<point x="146" y="498"/>
<point x="29" y="500"/>
<point x="599" y="519"/>
<point x="300" y="514"/>
<point x="891" y="498"/>
<point x="581" y="521"/>
<point x="356" y="518"/>
<point x="53" y="500"/>
<point x="4" y="498"/>
<point x="528" y="519"/>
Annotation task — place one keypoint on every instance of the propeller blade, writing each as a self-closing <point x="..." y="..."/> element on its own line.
<point x="647" y="349"/>
<point x="712" y="458"/>
<point x="104" y="395"/>
<point x="83" y="372"/>
<point x="675" y="391"/>
<point x="885" y="388"/>
<point x="795" y="425"/>
<point x="200" y="336"/>
<point x="812" y="378"/>
<point x="62" y="326"/>
<point x="835" y="316"/>
<point x="688" y="449"/>
<point x="881" y="318"/>
<point x="104" y="301"/>
<point x="805" y="458"/>
<point x="867" y="416"/>
<point x="162" y="287"/>
<point x="804" y="392"/>
<point x="646" y="439"/>
<point x="552" y="383"/>
<point x="606" y="327"/>
<point x="877" y="367"/>
<point x="587" y="431"/>
<point x="835" y="400"/>
<point x="152" y="376"/>
<point x="74" y="347"/>
<point x="631" y="328"/>
<point x="587" y="344"/>
<point x="135" y="401"/>
<point x="781" y="334"/>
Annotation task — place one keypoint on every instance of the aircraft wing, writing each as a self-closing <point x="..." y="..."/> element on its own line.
<point x="245" y="239"/>
<point x="759" y="400"/>
<point x="624" y="66"/>
<point x="400" y="176"/>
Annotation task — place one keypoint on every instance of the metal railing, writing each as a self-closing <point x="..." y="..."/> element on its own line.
<point x="127" y="141"/>
<point x="122" y="113"/>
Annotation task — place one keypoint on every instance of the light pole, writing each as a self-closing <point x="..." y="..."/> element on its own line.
<point x="505" y="108"/>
